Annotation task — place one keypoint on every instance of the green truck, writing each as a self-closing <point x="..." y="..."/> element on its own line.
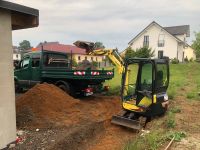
<point x="56" y="68"/>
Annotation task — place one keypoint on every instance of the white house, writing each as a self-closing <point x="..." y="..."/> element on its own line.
<point x="166" y="41"/>
<point x="16" y="54"/>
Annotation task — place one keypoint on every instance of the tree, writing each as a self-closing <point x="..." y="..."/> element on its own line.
<point x="24" y="45"/>
<point x="98" y="45"/>
<point x="143" y="52"/>
<point x="196" y="44"/>
<point x="129" y="53"/>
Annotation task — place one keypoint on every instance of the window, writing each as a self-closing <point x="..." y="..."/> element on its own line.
<point x="161" y="40"/>
<point x="79" y="57"/>
<point x="25" y="63"/>
<point x="92" y="58"/>
<point x="160" y="54"/>
<point x="55" y="60"/>
<point x="146" y="41"/>
<point x="161" y="75"/>
<point x="146" y="77"/>
<point x="129" y="88"/>
<point x="35" y="62"/>
<point x="96" y="59"/>
<point x="85" y="57"/>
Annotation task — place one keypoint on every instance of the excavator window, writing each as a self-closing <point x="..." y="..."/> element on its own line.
<point x="130" y="86"/>
<point x="161" y="75"/>
<point x="146" y="77"/>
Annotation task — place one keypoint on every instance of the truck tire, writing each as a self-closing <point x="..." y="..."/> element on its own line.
<point x="66" y="87"/>
<point x="18" y="89"/>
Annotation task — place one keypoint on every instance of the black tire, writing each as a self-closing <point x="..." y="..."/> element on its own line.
<point x="67" y="88"/>
<point x="18" y="89"/>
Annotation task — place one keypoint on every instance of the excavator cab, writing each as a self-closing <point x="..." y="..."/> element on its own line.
<point x="143" y="92"/>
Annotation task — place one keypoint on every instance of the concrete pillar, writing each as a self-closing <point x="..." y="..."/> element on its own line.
<point x="7" y="95"/>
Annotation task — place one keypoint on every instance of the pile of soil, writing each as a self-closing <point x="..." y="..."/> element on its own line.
<point x="43" y="105"/>
<point x="67" y="122"/>
<point x="46" y="106"/>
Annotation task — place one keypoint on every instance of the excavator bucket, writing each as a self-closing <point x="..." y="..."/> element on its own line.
<point x="126" y="122"/>
<point x="88" y="46"/>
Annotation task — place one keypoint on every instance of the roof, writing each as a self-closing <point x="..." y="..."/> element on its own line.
<point x="179" y="30"/>
<point x="57" y="47"/>
<point x="22" y="16"/>
<point x="154" y="23"/>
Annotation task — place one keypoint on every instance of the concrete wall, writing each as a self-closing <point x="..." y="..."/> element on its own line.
<point x="7" y="96"/>
<point x="170" y="47"/>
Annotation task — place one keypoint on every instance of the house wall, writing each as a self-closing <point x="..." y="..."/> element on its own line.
<point x="89" y="58"/>
<point x="180" y="52"/>
<point x="189" y="53"/>
<point x="16" y="56"/>
<point x="170" y="46"/>
<point x="181" y="37"/>
<point x="7" y="94"/>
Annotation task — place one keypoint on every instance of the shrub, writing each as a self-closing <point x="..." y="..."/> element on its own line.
<point x="198" y="60"/>
<point x="191" y="60"/>
<point x="175" y="61"/>
<point x="186" y="59"/>
<point x="143" y="52"/>
<point x="95" y="63"/>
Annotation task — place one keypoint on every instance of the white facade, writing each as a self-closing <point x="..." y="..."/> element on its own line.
<point x="16" y="56"/>
<point x="171" y="46"/>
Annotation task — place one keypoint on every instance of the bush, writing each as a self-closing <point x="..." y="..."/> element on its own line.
<point x="186" y="59"/>
<point x="191" y="60"/>
<point x="143" y="52"/>
<point x="95" y="63"/>
<point x="175" y="61"/>
<point x="198" y="60"/>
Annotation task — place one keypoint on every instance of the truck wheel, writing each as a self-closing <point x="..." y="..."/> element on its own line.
<point x="18" y="89"/>
<point x="67" y="88"/>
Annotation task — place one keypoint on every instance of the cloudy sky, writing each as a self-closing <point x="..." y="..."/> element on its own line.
<point x="113" y="22"/>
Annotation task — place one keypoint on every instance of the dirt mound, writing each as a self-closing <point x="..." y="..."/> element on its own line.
<point x="44" y="104"/>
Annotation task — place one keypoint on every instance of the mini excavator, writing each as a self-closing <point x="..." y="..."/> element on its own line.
<point x="144" y="86"/>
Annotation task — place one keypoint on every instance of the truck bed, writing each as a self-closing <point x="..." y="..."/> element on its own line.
<point x="77" y="74"/>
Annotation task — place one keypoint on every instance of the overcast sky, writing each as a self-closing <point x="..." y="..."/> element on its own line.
<point x="113" y="22"/>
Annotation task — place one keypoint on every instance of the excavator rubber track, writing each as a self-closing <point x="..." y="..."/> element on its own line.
<point x="126" y="122"/>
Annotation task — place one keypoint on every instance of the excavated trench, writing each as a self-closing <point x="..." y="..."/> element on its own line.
<point x="68" y="123"/>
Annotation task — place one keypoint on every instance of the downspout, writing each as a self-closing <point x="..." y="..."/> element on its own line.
<point x="177" y="51"/>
